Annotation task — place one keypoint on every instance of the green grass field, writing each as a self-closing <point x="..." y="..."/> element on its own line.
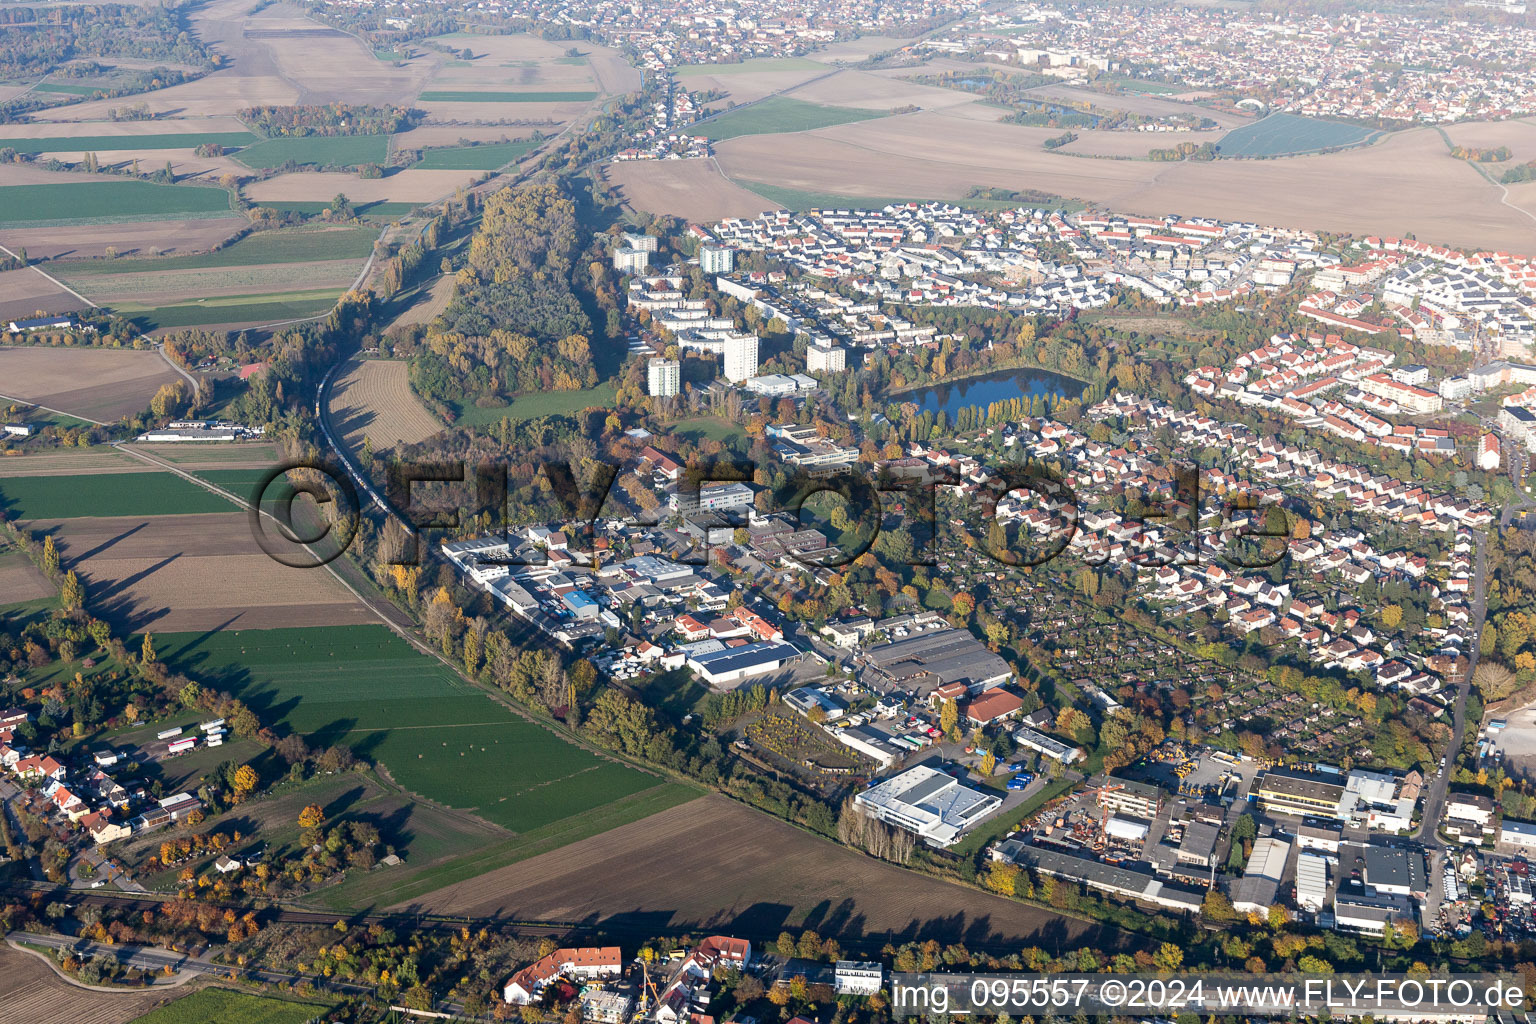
<point x="106" y="201"/>
<point x="106" y="494"/>
<point x="781" y="114"/>
<point x="380" y="209"/>
<point x="1288" y="134"/>
<point x="321" y="151"/>
<point x="543" y="403"/>
<point x="66" y="90"/>
<point x="463" y="96"/>
<point x="748" y="67"/>
<point x="474" y="158"/>
<point x="108" y="143"/>
<point x="232" y="309"/>
<point x="1139" y="85"/>
<point x="289" y="245"/>
<point x="437" y="735"/>
<point x="226" y="1006"/>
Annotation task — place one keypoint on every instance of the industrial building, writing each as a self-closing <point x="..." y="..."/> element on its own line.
<point x="930" y="803"/>
<point x="1117" y="881"/>
<point x="1289" y="791"/>
<point x="733" y="665"/>
<point x="923" y="662"/>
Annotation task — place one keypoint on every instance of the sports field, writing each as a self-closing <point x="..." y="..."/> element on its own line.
<point x="474" y="158"/>
<point x="225" y="1006"/>
<point x="108" y="143"/>
<point x="437" y="735"/>
<point x="105" y="494"/>
<point x="107" y="200"/>
<point x="779" y="114"/>
<point x="340" y="151"/>
<point x="297" y="245"/>
<point x="462" y="96"/>
<point x="1288" y="134"/>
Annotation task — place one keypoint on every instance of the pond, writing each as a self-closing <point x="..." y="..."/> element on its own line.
<point x="1001" y="386"/>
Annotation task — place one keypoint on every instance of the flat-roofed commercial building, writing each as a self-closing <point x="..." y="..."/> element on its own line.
<point x="929" y="803"/>
<point x="1288" y="791"/>
<point x="927" y="660"/>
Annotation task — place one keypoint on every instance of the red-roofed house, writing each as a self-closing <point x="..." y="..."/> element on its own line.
<point x="583" y="962"/>
<point x="994" y="706"/>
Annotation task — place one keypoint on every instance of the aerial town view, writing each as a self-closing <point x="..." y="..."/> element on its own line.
<point x="685" y="512"/>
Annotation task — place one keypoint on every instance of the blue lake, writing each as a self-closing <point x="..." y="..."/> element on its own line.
<point x="1001" y="386"/>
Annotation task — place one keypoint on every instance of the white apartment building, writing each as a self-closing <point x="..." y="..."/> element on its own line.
<point x="716" y="259"/>
<point x="664" y="378"/>
<point x="826" y="360"/>
<point x="740" y="357"/>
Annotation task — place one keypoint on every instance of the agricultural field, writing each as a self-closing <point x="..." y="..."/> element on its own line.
<point x="693" y="189"/>
<point x="147" y="238"/>
<point x="340" y="151"/>
<point x="286" y="245"/>
<point x="191" y="566"/>
<point x="862" y="89"/>
<point x="231" y="310"/>
<point x="25" y="292"/>
<point x="757" y="65"/>
<point x="94" y="384"/>
<point x="79" y="202"/>
<point x="713" y="863"/>
<point x="1289" y="135"/>
<point x="437" y="736"/>
<point x="70" y="143"/>
<point x="777" y="115"/>
<point x="227" y="1006"/>
<point x="1404" y="182"/>
<point x="105" y="494"/>
<point x="20" y="580"/>
<point x="500" y="96"/>
<point x="150" y="288"/>
<point x="751" y="80"/>
<point x="410" y="185"/>
<point x="487" y="157"/>
<point x="374" y="400"/>
<point x="30" y="991"/>
<point x="375" y="210"/>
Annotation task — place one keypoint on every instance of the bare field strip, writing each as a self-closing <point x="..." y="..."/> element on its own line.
<point x="439" y="111"/>
<point x="1407" y="182"/>
<point x="746" y="86"/>
<point x="428" y="304"/>
<point x="20" y="581"/>
<point x="693" y="189"/>
<point x="93" y="383"/>
<point x="180" y="573"/>
<point x="714" y="864"/>
<point x="374" y="400"/>
<point x="23" y="292"/>
<point x="405" y="187"/>
<point x="127" y="129"/>
<point x="134" y="238"/>
<point x="873" y="92"/>
<point x="31" y="992"/>
<point x="167" y="286"/>
<point x="220" y="455"/>
<point x="1519" y="136"/>
<point x="71" y="462"/>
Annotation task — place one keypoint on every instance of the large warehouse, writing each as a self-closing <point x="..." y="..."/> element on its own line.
<point x="734" y="665"/>
<point x="927" y="660"/>
<point x="932" y="804"/>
